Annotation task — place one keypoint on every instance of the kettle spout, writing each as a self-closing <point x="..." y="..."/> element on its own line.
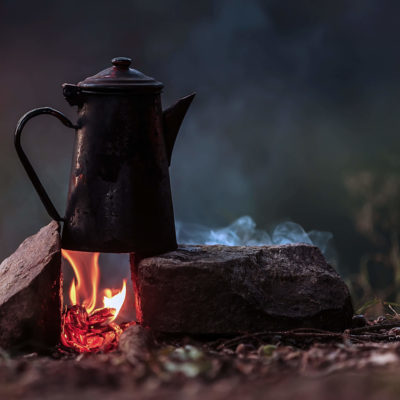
<point x="172" y="120"/>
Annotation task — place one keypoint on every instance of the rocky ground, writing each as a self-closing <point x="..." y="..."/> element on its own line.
<point x="361" y="363"/>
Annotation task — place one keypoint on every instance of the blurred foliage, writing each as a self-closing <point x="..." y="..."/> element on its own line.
<point x="375" y="195"/>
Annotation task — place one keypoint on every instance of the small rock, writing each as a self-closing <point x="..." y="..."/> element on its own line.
<point x="394" y="331"/>
<point x="135" y="344"/>
<point x="381" y="320"/>
<point x="243" y="348"/>
<point x="359" y="321"/>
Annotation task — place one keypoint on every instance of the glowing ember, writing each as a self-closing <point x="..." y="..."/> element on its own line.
<point x="85" y="328"/>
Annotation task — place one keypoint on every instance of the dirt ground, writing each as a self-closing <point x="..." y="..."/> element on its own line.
<point x="302" y="364"/>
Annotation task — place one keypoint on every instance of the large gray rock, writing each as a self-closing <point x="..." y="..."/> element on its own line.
<point x="223" y="290"/>
<point x="30" y="293"/>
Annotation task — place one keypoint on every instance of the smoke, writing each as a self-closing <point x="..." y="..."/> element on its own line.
<point x="243" y="232"/>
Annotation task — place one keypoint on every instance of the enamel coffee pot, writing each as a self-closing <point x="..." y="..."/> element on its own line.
<point x="119" y="197"/>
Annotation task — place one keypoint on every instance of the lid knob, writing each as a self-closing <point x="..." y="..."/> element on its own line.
<point x="121" y="62"/>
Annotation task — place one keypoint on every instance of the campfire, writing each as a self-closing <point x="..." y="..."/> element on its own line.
<point x="87" y="326"/>
<point x="119" y="199"/>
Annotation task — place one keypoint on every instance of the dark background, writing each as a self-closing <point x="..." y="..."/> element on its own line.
<point x="296" y="115"/>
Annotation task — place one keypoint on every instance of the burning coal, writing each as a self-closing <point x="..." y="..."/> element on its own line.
<point x="88" y="327"/>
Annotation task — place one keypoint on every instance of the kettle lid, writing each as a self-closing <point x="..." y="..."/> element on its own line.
<point x="120" y="77"/>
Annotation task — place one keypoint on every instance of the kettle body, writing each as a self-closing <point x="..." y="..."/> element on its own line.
<point x="119" y="197"/>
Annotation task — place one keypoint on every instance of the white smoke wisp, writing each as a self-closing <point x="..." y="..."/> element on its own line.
<point x="243" y="232"/>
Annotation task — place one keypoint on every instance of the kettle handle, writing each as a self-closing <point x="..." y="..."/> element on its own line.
<point x="25" y="161"/>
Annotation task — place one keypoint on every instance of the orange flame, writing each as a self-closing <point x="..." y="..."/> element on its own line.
<point x="115" y="301"/>
<point x="87" y="275"/>
<point x="85" y="327"/>
<point x="72" y="292"/>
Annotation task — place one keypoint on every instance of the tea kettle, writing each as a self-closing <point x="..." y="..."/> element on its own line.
<point x="119" y="197"/>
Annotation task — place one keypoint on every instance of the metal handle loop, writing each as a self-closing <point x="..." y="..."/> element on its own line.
<point x="25" y="161"/>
